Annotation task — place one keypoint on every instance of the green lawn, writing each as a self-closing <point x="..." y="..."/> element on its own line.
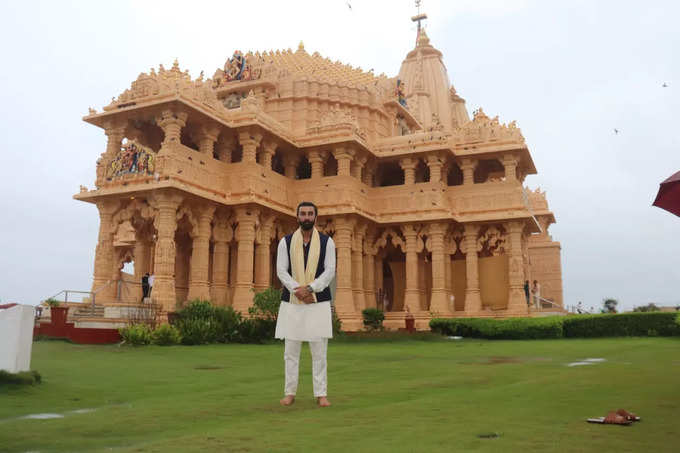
<point x="408" y="395"/>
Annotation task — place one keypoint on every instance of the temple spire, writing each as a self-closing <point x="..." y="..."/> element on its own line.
<point x="418" y="18"/>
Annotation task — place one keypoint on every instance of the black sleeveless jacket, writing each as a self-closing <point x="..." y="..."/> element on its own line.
<point x="325" y="294"/>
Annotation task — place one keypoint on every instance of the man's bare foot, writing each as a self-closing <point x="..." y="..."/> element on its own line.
<point x="322" y="401"/>
<point x="287" y="400"/>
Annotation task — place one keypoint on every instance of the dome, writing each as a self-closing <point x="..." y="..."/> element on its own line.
<point x="427" y="89"/>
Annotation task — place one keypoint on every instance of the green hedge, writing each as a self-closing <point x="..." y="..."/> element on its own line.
<point x="511" y="329"/>
<point x="573" y="326"/>
<point x="622" y="325"/>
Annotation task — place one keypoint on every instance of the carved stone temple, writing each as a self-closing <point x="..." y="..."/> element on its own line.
<point x="427" y="207"/>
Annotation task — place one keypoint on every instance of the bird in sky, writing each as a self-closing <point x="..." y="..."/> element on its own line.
<point x="665" y="85"/>
<point x="616" y="131"/>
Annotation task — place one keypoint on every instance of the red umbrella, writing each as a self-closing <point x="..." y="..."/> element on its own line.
<point x="668" y="197"/>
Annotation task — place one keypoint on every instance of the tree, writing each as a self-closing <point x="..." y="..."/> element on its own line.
<point x="609" y="305"/>
<point x="645" y="308"/>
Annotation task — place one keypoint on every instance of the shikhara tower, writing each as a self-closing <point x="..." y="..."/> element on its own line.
<point x="200" y="179"/>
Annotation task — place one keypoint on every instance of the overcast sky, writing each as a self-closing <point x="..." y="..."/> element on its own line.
<point x="569" y="72"/>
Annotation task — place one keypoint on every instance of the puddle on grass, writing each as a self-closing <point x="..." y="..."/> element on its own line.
<point x="586" y="362"/>
<point x="49" y="416"/>
<point x="42" y="416"/>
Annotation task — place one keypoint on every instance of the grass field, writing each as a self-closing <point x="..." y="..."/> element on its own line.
<point x="401" y="396"/>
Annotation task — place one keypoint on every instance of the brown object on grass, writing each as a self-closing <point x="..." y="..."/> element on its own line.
<point x="612" y="418"/>
<point x="628" y="415"/>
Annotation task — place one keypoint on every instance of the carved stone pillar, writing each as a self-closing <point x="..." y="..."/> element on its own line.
<point x="224" y="147"/>
<point x="268" y="150"/>
<point x="356" y="166"/>
<point x="411" y="293"/>
<point x="435" y="164"/>
<point x="438" y="301"/>
<point x="369" y="272"/>
<point x="163" y="291"/>
<point x="473" y="300"/>
<point x="510" y="164"/>
<point x="517" y="302"/>
<point x="344" y="302"/>
<point x="245" y="237"/>
<point x="344" y="158"/>
<point x="409" y="166"/>
<point x="103" y="257"/>
<point x="468" y="167"/>
<point x="172" y="124"/>
<point x="199" y="284"/>
<point x="115" y="134"/>
<point x="207" y="137"/>
<point x="141" y="263"/>
<point x="290" y="164"/>
<point x="315" y="158"/>
<point x="263" y="239"/>
<point x="222" y="235"/>
<point x="369" y="173"/>
<point x="358" y="268"/>
<point x="249" y="141"/>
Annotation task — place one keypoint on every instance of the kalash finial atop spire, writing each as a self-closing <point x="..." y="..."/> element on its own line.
<point x="418" y="18"/>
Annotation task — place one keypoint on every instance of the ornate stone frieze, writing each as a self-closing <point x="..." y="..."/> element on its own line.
<point x="484" y="129"/>
<point x="163" y="82"/>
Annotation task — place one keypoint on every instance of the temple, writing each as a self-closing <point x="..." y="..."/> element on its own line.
<point x="427" y="206"/>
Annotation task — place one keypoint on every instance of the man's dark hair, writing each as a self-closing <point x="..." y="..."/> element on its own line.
<point x="307" y="203"/>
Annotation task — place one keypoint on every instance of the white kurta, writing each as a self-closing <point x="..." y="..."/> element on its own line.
<point x="305" y="322"/>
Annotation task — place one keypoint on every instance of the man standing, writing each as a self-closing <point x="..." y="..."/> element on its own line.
<point x="305" y="264"/>
<point x="152" y="278"/>
<point x="145" y="286"/>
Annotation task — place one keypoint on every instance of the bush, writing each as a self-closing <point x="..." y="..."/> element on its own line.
<point x="621" y="325"/>
<point x="256" y="330"/>
<point x="197" y="331"/>
<point x="165" y="335"/>
<point x="266" y="304"/>
<point x="227" y="323"/>
<point x="22" y="378"/>
<point x="197" y="323"/>
<point x="337" y="323"/>
<point x="576" y="326"/>
<point x="513" y="328"/>
<point x="136" y="334"/>
<point x="373" y="318"/>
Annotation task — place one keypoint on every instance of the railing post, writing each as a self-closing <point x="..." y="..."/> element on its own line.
<point x="66" y="296"/>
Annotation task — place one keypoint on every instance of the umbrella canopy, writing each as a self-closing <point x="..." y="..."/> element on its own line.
<point x="668" y="197"/>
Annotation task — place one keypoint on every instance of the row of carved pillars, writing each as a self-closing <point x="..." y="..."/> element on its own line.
<point x="357" y="263"/>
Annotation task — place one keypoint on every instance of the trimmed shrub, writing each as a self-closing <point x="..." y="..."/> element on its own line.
<point x="513" y="328"/>
<point x="373" y="318"/>
<point x="136" y="334"/>
<point x="576" y="326"/>
<point x="621" y="325"/>
<point x="166" y="335"/>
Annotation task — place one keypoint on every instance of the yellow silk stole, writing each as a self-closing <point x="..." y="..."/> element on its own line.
<point x="304" y="276"/>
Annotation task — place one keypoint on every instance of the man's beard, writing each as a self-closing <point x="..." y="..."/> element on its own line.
<point x="306" y="224"/>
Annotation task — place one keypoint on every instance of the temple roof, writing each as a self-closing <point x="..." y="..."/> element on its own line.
<point x="315" y="66"/>
<point x="428" y="91"/>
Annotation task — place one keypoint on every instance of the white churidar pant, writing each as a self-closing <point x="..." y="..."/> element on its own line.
<point x="291" y="357"/>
